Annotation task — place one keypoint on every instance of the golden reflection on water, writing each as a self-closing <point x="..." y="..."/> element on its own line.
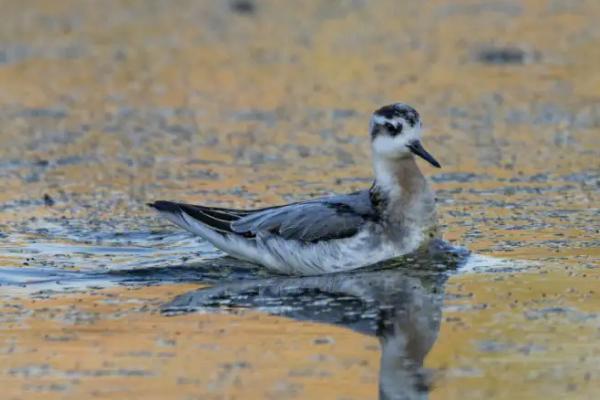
<point x="105" y="108"/>
<point x="114" y="343"/>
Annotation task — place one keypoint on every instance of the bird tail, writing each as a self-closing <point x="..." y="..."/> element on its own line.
<point x="212" y="224"/>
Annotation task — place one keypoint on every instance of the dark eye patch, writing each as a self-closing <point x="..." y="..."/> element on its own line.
<point x="394" y="130"/>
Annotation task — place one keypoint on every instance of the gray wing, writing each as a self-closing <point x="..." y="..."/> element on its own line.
<point x="322" y="219"/>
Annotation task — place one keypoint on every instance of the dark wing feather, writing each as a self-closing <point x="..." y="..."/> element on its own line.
<point x="321" y="219"/>
<point x="219" y="219"/>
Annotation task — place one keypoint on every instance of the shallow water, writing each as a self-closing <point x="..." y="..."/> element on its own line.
<point x="245" y="104"/>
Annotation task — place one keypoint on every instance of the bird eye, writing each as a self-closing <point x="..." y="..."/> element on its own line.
<point x="394" y="130"/>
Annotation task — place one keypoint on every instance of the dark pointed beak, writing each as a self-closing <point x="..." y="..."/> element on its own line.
<point x="417" y="149"/>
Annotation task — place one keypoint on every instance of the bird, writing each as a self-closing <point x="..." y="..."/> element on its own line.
<point x="394" y="217"/>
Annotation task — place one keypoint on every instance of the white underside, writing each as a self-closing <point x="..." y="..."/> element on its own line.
<point x="299" y="258"/>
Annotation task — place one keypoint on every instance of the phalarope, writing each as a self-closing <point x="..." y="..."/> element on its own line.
<point x="394" y="217"/>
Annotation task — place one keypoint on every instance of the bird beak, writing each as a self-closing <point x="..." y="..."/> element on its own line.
<point x="417" y="149"/>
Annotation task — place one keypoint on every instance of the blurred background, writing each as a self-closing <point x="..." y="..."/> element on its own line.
<point x="107" y="105"/>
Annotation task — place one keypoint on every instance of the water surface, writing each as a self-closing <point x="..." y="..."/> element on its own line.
<point x="245" y="104"/>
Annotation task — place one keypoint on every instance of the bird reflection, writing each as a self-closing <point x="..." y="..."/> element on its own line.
<point x="401" y="306"/>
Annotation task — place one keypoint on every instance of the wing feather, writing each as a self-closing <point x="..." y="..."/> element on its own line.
<point x="314" y="220"/>
<point x="324" y="219"/>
